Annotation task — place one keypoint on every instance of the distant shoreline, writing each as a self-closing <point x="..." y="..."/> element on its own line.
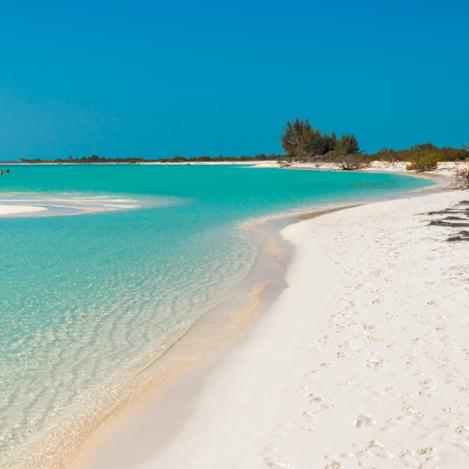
<point x="128" y="163"/>
<point x="270" y="163"/>
<point x="446" y="169"/>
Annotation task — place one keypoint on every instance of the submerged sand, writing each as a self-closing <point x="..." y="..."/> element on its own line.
<point x="361" y="362"/>
<point x="13" y="209"/>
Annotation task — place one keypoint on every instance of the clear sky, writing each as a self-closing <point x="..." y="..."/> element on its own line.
<point x="154" y="78"/>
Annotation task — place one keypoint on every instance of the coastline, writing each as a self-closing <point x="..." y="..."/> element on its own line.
<point x="173" y="368"/>
<point x="210" y="335"/>
<point x="444" y="168"/>
<point x="128" y="430"/>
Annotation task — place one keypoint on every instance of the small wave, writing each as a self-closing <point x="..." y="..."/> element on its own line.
<point x="16" y="204"/>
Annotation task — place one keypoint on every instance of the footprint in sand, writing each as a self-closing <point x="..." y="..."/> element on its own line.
<point x="375" y="363"/>
<point x="427" y="386"/>
<point x="365" y="420"/>
<point x="461" y="439"/>
<point x="332" y="464"/>
<point x="420" y="457"/>
<point x="374" y="448"/>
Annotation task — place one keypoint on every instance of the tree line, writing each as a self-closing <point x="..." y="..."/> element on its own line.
<point x="95" y="159"/>
<point x="301" y="142"/>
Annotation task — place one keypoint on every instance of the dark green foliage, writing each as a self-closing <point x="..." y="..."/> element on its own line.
<point x="329" y="142"/>
<point x="301" y="141"/>
<point x="347" y="145"/>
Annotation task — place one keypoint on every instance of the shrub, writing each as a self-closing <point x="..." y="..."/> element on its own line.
<point x="424" y="161"/>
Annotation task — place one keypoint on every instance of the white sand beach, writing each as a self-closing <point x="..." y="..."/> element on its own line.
<point x="361" y="362"/>
<point x="13" y="209"/>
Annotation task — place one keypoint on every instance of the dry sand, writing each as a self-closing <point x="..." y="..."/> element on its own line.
<point x="362" y="362"/>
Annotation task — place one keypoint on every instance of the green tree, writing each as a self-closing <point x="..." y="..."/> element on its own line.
<point x="297" y="139"/>
<point x="300" y="140"/>
<point x="347" y="145"/>
<point x="329" y="141"/>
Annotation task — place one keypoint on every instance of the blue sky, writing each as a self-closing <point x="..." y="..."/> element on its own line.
<point x="151" y="78"/>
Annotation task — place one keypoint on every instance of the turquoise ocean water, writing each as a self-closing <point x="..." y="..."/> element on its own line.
<point x="87" y="298"/>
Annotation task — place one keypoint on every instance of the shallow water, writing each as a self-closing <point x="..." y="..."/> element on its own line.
<point x="128" y="258"/>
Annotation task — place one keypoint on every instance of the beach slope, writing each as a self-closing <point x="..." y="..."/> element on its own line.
<point x="361" y="362"/>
